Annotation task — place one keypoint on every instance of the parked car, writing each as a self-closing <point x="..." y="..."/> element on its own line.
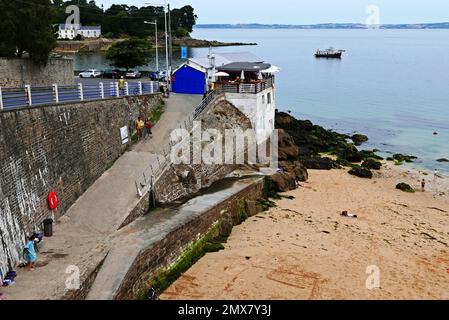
<point x="92" y="73"/>
<point x="158" y="75"/>
<point x="133" y="74"/>
<point x="111" y="74"/>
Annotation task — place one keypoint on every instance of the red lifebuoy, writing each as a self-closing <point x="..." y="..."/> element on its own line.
<point x="53" y="200"/>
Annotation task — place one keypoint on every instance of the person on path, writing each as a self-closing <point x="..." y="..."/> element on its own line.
<point x="140" y="125"/>
<point x="29" y="253"/>
<point x="423" y="185"/>
<point x="148" y="127"/>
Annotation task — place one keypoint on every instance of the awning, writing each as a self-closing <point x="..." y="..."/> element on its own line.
<point x="272" y="69"/>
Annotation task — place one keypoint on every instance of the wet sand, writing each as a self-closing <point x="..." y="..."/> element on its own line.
<point x="304" y="249"/>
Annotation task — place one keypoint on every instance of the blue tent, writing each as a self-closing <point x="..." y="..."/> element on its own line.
<point x="188" y="80"/>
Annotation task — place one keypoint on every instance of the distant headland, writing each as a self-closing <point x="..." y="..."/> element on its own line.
<point x="440" y="25"/>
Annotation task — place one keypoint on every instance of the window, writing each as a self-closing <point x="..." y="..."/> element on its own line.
<point x="269" y="97"/>
<point x="263" y="99"/>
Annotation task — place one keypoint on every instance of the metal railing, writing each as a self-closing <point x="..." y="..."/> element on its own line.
<point x="251" y="88"/>
<point x="16" y="98"/>
<point x="146" y="180"/>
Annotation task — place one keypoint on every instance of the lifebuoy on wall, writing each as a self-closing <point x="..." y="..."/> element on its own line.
<point x="53" y="200"/>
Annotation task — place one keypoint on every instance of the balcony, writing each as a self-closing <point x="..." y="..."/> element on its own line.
<point x="253" y="87"/>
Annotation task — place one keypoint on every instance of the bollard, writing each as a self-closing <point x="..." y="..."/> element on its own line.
<point x="1" y="99"/>
<point x="80" y="91"/>
<point x="140" y="88"/>
<point x="101" y="90"/>
<point x="126" y="89"/>
<point x="56" y="92"/>
<point x="117" y="91"/>
<point x="28" y="92"/>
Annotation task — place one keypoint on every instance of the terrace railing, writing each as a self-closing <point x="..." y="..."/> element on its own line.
<point x="18" y="98"/>
<point x="246" y="88"/>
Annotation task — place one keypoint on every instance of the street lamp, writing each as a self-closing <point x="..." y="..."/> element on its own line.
<point x="166" y="7"/>
<point x="157" y="52"/>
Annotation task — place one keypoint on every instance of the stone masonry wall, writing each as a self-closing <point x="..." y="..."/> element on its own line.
<point x="167" y="251"/>
<point x="184" y="180"/>
<point x="63" y="148"/>
<point x="17" y="72"/>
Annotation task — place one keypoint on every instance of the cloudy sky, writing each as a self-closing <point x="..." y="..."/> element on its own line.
<point x="307" y="11"/>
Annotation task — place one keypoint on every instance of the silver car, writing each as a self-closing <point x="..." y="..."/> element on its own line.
<point x="133" y="74"/>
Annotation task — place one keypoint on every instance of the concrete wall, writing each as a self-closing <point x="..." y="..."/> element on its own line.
<point x="63" y="148"/>
<point x="17" y="72"/>
<point x="257" y="109"/>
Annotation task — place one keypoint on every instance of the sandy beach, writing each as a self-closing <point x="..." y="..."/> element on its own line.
<point x="304" y="248"/>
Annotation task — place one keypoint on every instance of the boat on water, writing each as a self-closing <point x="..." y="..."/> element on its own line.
<point x="329" y="53"/>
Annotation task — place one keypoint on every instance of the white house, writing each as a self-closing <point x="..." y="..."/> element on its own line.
<point x="70" y="31"/>
<point x="250" y="88"/>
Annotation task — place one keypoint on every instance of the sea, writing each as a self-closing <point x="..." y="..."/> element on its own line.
<point x="392" y="85"/>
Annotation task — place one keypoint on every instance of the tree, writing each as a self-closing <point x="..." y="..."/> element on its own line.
<point x="26" y="29"/>
<point x="129" y="53"/>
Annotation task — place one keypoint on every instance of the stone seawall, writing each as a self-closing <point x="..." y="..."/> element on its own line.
<point x="184" y="232"/>
<point x="15" y="73"/>
<point x="63" y="148"/>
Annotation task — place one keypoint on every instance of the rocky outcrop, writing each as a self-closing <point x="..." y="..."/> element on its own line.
<point x="405" y="187"/>
<point x="359" y="139"/>
<point x="361" y="172"/>
<point x="283" y="181"/>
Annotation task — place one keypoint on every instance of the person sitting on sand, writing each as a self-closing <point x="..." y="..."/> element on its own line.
<point x="347" y="214"/>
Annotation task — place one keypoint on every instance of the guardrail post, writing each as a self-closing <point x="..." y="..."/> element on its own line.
<point x="80" y="91"/>
<point x="102" y="90"/>
<point x="56" y="92"/>
<point x="1" y="99"/>
<point x="117" y="91"/>
<point x="126" y="88"/>
<point x="140" y="88"/>
<point x="28" y="93"/>
<point x="152" y="86"/>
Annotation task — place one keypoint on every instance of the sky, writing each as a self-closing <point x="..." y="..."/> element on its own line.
<point x="307" y="11"/>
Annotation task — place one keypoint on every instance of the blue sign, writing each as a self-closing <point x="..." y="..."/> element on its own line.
<point x="184" y="52"/>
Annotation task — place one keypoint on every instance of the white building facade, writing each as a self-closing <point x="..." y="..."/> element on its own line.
<point x="70" y="31"/>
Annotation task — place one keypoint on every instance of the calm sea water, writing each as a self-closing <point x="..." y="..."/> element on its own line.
<point x="392" y="85"/>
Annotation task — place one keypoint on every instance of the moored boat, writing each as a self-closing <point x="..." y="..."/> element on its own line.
<point x="329" y="53"/>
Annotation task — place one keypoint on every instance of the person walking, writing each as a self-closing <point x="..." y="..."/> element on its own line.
<point x="121" y="85"/>
<point x="148" y="127"/>
<point x="423" y="185"/>
<point x="139" y="126"/>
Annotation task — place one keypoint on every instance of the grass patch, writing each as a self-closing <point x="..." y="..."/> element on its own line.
<point x="205" y="244"/>
<point x="156" y="113"/>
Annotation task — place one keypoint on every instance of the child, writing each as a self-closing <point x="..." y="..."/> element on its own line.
<point x="29" y="253"/>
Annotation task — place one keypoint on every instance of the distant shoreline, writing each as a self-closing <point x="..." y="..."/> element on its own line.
<point x="103" y="44"/>
<point x="441" y="25"/>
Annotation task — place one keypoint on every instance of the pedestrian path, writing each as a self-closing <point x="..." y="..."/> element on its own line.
<point x="81" y="236"/>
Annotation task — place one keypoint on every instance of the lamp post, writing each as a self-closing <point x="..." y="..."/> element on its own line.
<point x="157" y="51"/>
<point x="166" y="7"/>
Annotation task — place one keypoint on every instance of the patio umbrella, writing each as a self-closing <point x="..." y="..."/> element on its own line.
<point x="221" y="74"/>
<point x="242" y="76"/>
